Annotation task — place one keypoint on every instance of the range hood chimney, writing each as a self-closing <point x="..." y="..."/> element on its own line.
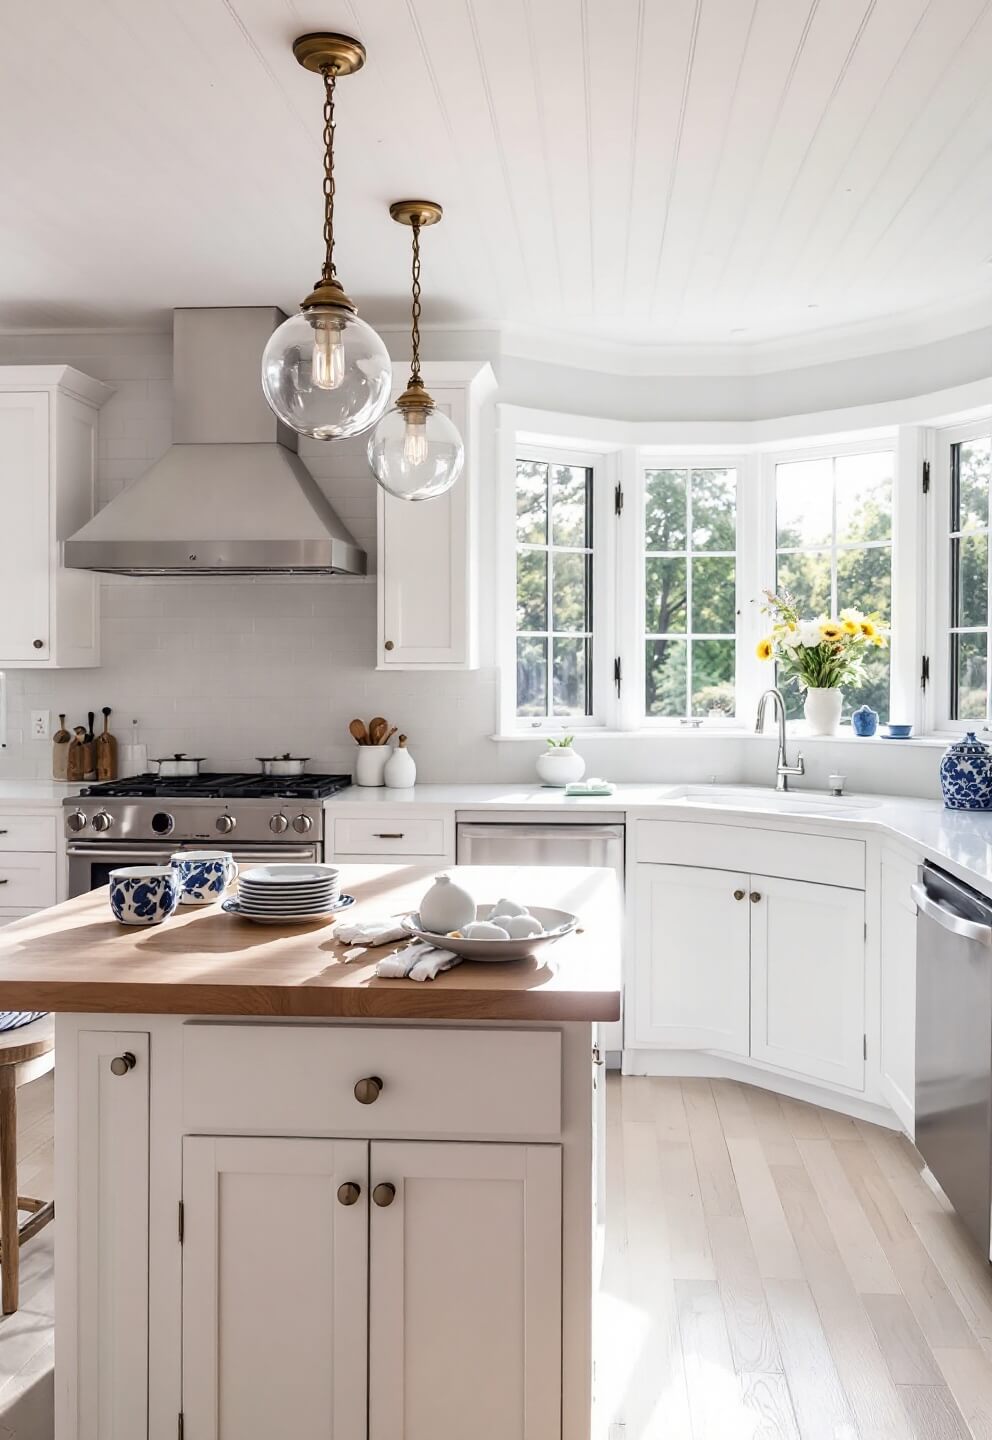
<point x="230" y="496"/>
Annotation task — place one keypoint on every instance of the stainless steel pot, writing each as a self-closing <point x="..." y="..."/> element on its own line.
<point x="283" y="764"/>
<point x="174" y="767"/>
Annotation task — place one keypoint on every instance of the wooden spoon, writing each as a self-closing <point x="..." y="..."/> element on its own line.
<point x="358" y="732"/>
<point x="377" y="729"/>
<point x="388" y="735"/>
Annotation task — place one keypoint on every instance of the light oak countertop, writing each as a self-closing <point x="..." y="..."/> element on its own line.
<point x="76" y="958"/>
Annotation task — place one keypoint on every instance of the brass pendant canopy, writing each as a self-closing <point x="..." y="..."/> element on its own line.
<point x="416" y="212"/>
<point x="323" y="50"/>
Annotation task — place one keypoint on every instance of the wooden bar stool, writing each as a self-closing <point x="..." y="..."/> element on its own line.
<point x="25" y="1054"/>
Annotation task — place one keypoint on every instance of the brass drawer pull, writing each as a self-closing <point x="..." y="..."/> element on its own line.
<point x="388" y="645"/>
<point x="755" y="896"/>
<point x="738" y="894"/>
<point x="367" y="1091"/>
<point x="384" y="1194"/>
<point x="388" y="834"/>
<point x="121" y="1064"/>
<point x="349" y="1192"/>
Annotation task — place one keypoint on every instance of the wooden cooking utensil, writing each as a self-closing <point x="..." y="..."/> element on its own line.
<point x="60" y="751"/>
<point x="105" y="750"/>
<point x="76" y="758"/>
<point x="388" y="735"/>
<point x="358" y="732"/>
<point x="377" y="729"/>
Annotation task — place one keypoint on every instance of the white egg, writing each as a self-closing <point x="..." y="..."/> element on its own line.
<point x="503" y="920"/>
<point x="507" y="907"/>
<point x="484" y="930"/>
<point x="521" y="927"/>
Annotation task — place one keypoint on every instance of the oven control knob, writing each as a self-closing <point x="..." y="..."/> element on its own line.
<point x="163" y="823"/>
<point x="279" y="824"/>
<point x="226" y="823"/>
<point x="76" y="821"/>
<point x="102" y="821"/>
<point x="302" y="823"/>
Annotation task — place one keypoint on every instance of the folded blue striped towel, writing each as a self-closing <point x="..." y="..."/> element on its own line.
<point x="14" y="1019"/>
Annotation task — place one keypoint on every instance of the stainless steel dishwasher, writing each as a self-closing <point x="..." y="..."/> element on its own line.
<point x="954" y="1043"/>
<point x="516" y="838"/>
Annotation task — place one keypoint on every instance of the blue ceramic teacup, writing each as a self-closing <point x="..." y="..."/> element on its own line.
<point x="204" y="875"/>
<point x="898" y="732"/>
<point x="144" y="894"/>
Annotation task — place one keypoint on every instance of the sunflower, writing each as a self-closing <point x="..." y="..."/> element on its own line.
<point x="831" y="631"/>
<point x="764" y="648"/>
<point x="868" y="630"/>
<point x="850" y="628"/>
<point x="878" y="639"/>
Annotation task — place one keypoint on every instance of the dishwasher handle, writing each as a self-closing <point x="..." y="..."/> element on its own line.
<point x="485" y="830"/>
<point x="948" y="920"/>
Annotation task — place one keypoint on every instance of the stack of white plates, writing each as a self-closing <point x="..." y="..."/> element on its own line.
<point x="281" y="894"/>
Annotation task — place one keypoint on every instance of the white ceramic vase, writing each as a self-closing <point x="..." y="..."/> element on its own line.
<point x="401" y="771"/>
<point x="370" y="764"/>
<point x="560" y="765"/>
<point x="446" y="907"/>
<point x="822" y="710"/>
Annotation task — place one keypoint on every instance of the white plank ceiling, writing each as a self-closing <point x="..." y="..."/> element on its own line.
<point x="663" y="171"/>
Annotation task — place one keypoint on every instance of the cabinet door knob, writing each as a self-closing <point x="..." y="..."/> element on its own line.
<point x="121" y="1064"/>
<point x="367" y="1090"/>
<point x="387" y="645"/>
<point x="738" y="894"/>
<point x="349" y="1192"/>
<point x="38" y="644"/>
<point x="384" y="1193"/>
<point x="755" y="896"/>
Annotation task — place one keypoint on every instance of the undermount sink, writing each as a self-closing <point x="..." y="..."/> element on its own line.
<point x="748" y="797"/>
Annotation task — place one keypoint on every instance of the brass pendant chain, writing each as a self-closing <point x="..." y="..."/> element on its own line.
<point x="328" y="274"/>
<point x="415" y="328"/>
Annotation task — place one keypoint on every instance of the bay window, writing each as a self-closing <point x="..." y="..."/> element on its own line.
<point x="961" y="563"/>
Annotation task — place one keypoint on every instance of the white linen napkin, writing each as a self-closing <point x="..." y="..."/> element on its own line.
<point x="416" y="961"/>
<point x="382" y="931"/>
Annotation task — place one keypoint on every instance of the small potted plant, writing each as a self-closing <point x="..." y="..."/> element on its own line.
<point x="560" y="765"/>
<point x="819" y="656"/>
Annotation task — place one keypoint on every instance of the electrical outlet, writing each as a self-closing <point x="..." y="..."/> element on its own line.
<point x="41" y="724"/>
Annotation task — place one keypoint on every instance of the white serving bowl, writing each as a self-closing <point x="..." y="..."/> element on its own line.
<point x="556" y="923"/>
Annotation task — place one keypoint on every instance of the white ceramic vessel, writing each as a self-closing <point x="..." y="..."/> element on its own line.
<point x="370" y="764"/>
<point x="822" y="708"/>
<point x="446" y="906"/>
<point x="401" y="770"/>
<point x="560" y="765"/>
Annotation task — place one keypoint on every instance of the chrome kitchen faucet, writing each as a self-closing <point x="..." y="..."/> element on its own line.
<point x="782" y="767"/>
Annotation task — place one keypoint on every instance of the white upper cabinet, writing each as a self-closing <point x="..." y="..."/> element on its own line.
<point x="48" y="418"/>
<point x="427" y="568"/>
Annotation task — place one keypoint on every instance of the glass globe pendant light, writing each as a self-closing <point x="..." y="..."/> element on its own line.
<point x="415" y="451"/>
<point x="326" y="373"/>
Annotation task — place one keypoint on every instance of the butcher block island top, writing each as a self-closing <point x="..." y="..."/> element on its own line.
<point x="75" y="957"/>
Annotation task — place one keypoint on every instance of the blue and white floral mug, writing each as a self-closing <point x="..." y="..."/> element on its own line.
<point x="204" y="875"/>
<point x="144" y="894"/>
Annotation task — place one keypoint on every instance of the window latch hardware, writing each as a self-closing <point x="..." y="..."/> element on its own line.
<point x="616" y="675"/>
<point x="925" y="672"/>
<point x="618" y="499"/>
<point x="926" y="477"/>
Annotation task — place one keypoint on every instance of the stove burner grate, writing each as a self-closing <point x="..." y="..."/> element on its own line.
<point x="221" y="786"/>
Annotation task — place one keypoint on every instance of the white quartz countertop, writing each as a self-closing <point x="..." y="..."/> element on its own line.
<point x="961" y="841"/>
<point x="35" y="792"/>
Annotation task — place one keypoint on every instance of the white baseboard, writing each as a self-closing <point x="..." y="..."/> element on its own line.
<point x="703" y="1064"/>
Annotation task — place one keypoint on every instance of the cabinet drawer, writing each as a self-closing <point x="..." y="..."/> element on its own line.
<point x="27" y="882"/>
<point x="822" y="859"/>
<point x="415" y="836"/>
<point x="300" y="1080"/>
<point x="28" y="832"/>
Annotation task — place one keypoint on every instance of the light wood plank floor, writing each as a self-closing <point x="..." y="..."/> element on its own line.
<point x="774" y="1271"/>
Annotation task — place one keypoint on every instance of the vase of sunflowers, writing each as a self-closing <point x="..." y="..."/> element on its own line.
<point x="819" y="656"/>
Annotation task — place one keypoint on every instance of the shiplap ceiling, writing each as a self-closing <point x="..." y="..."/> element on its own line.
<point x="652" y="171"/>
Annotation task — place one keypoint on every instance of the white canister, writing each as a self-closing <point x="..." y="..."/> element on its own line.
<point x="401" y="770"/>
<point x="560" y="765"/>
<point x="370" y="764"/>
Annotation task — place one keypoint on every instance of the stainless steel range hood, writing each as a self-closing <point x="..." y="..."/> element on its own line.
<point x="230" y="496"/>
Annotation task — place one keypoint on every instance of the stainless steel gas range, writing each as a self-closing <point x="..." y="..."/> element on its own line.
<point x="147" y="818"/>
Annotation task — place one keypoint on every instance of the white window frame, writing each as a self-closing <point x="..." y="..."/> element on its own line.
<point x="604" y="710"/>
<point x="938" y="649"/>
<point x="664" y="458"/>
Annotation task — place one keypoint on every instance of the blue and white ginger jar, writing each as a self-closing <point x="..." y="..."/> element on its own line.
<point x="966" y="774"/>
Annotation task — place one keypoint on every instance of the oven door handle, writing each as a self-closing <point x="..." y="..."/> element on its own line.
<point x="135" y="855"/>
<point x="123" y="854"/>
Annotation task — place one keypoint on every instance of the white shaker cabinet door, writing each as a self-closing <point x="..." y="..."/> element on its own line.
<point x="808" y="979"/>
<point x="465" y="1292"/>
<point x="25" y="545"/>
<point x="425" y="559"/>
<point x="102" y="1271"/>
<point x="274" y="1288"/>
<point x="691" y="958"/>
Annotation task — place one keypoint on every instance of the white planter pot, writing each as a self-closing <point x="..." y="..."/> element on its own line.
<point x="822" y="710"/>
<point x="560" y="766"/>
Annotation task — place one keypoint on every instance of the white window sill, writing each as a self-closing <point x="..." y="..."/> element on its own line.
<point x="795" y="733"/>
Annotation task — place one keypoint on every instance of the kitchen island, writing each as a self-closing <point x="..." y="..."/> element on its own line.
<point x="296" y="1199"/>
